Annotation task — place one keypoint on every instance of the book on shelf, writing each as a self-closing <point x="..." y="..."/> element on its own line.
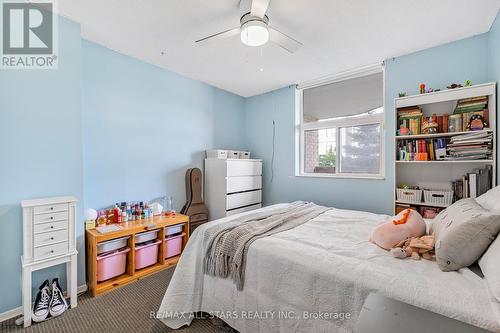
<point x="469" y="107"/>
<point x="469" y="146"/>
<point x="473" y="184"/>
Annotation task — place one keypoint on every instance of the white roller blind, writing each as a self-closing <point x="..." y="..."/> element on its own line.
<point x="344" y="98"/>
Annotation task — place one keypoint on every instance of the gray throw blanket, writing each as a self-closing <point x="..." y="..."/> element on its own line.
<point x="226" y="245"/>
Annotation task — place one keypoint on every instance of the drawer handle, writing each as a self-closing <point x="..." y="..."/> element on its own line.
<point x="51" y="238"/>
<point x="51" y="251"/>
<point x="51" y="227"/>
<point x="51" y="208"/>
<point x="52" y="217"/>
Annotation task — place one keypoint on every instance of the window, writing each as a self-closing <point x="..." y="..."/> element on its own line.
<point x="340" y="127"/>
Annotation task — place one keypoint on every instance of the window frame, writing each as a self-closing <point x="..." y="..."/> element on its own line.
<point x="338" y="123"/>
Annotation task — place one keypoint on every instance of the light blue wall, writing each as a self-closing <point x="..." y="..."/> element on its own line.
<point x="41" y="152"/>
<point x="144" y="126"/>
<point x="437" y="67"/>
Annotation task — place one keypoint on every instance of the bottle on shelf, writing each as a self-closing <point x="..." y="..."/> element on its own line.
<point x="129" y="213"/>
<point x="117" y="214"/>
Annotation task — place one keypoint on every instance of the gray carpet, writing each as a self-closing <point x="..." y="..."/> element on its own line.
<point x="125" y="309"/>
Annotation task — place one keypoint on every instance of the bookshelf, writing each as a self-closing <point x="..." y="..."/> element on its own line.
<point x="440" y="174"/>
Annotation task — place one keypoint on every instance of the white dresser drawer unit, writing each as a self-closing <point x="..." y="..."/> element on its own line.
<point x="242" y="210"/>
<point x="51" y="226"/>
<point x="243" y="199"/>
<point x="49" y="239"/>
<point x="50" y="217"/>
<point x="243" y="168"/>
<point x="243" y="183"/>
<point x="232" y="186"/>
<point x="50" y="208"/>
<point x="47" y="251"/>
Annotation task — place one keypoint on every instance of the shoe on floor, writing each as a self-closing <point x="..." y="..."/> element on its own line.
<point x="41" y="306"/>
<point x="58" y="303"/>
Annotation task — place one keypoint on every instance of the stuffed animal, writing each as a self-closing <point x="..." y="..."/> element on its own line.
<point x="407" y="224"/>
<point x="415" y="247"/>
<point x="476" y="123"/>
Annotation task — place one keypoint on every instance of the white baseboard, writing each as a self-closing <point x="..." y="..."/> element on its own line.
<point x="19" y="310"/>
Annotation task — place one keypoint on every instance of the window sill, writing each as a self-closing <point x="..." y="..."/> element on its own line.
<point x="340" y="176"/>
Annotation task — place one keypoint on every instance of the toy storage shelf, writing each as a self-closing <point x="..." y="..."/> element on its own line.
<point x="439" y="174"/>
<point x="93" y="238"/>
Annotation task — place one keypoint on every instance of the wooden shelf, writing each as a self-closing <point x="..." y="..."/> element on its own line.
<point x="420" y="204"/>
<point x="93" y="237"/>
<point x="445" y="161"/>
<point x="438" y="135"/>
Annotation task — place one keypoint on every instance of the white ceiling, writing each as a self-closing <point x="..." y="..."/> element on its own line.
<point x="338" y="35"/>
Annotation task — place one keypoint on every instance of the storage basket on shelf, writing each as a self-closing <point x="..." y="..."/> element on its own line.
<point x="438" y="198"/>
<point x="173" y="245"/>
<point x="146" y="254"/>
<point x="112" y="258"/>
<point x="409" y="195"/>
<point x="110" y="265"/>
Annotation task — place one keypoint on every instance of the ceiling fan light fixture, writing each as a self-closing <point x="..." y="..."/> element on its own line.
<point x="254" y="33"/>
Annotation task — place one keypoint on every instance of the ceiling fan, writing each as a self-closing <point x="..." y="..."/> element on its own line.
<point x="254" y="30"/>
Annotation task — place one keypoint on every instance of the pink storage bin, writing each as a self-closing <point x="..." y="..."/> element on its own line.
<point x="173" y="246"/>
<point x="111" y="265"/>
<point x="146" y="255"/>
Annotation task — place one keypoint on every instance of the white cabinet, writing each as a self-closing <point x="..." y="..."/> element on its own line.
<point x="232" y="186"/>
<point x="49" y="239"/>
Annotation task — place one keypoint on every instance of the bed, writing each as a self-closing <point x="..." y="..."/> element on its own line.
<point x="316" y="277"/>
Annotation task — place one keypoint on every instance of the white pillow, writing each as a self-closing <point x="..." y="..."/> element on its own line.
<point x="491" y="269"/>
<point x="490" y="200"/>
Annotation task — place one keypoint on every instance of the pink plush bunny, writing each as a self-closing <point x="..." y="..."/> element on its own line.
<point x="408" y="223"/>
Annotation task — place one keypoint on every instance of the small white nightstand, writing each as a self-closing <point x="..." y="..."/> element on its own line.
<point x="49" y="238"/>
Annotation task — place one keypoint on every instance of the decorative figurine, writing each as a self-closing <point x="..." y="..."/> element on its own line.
<point x="454" y="85"/>
<point x="429" y="126"/>
<point x="403" y="130"/>
<point x="402" y="94"/>
<point x="422" y="88"/>
<point x="476" y="123"/>
<point x="467" y="83"/>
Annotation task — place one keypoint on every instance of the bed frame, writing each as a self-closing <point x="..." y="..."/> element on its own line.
<point x="384" y="315"/>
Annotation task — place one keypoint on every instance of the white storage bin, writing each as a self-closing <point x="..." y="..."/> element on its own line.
<point x="174" y="229"/>
<point x="409" y="195"/>
<point x="438" y="198"/>
<point x="146" y="236"/>
<point x="217" y="153"/>
<point x="233" y="154"/>
<point x="244" y="155"/>
<point x="112" y="245"/>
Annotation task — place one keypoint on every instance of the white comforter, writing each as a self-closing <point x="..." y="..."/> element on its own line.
<point x="315" y="278"/>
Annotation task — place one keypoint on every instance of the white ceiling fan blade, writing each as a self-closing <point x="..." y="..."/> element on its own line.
<point x="286" y="42"/>
<point x="259" y="8"/>
<point x="219" y="36"/>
